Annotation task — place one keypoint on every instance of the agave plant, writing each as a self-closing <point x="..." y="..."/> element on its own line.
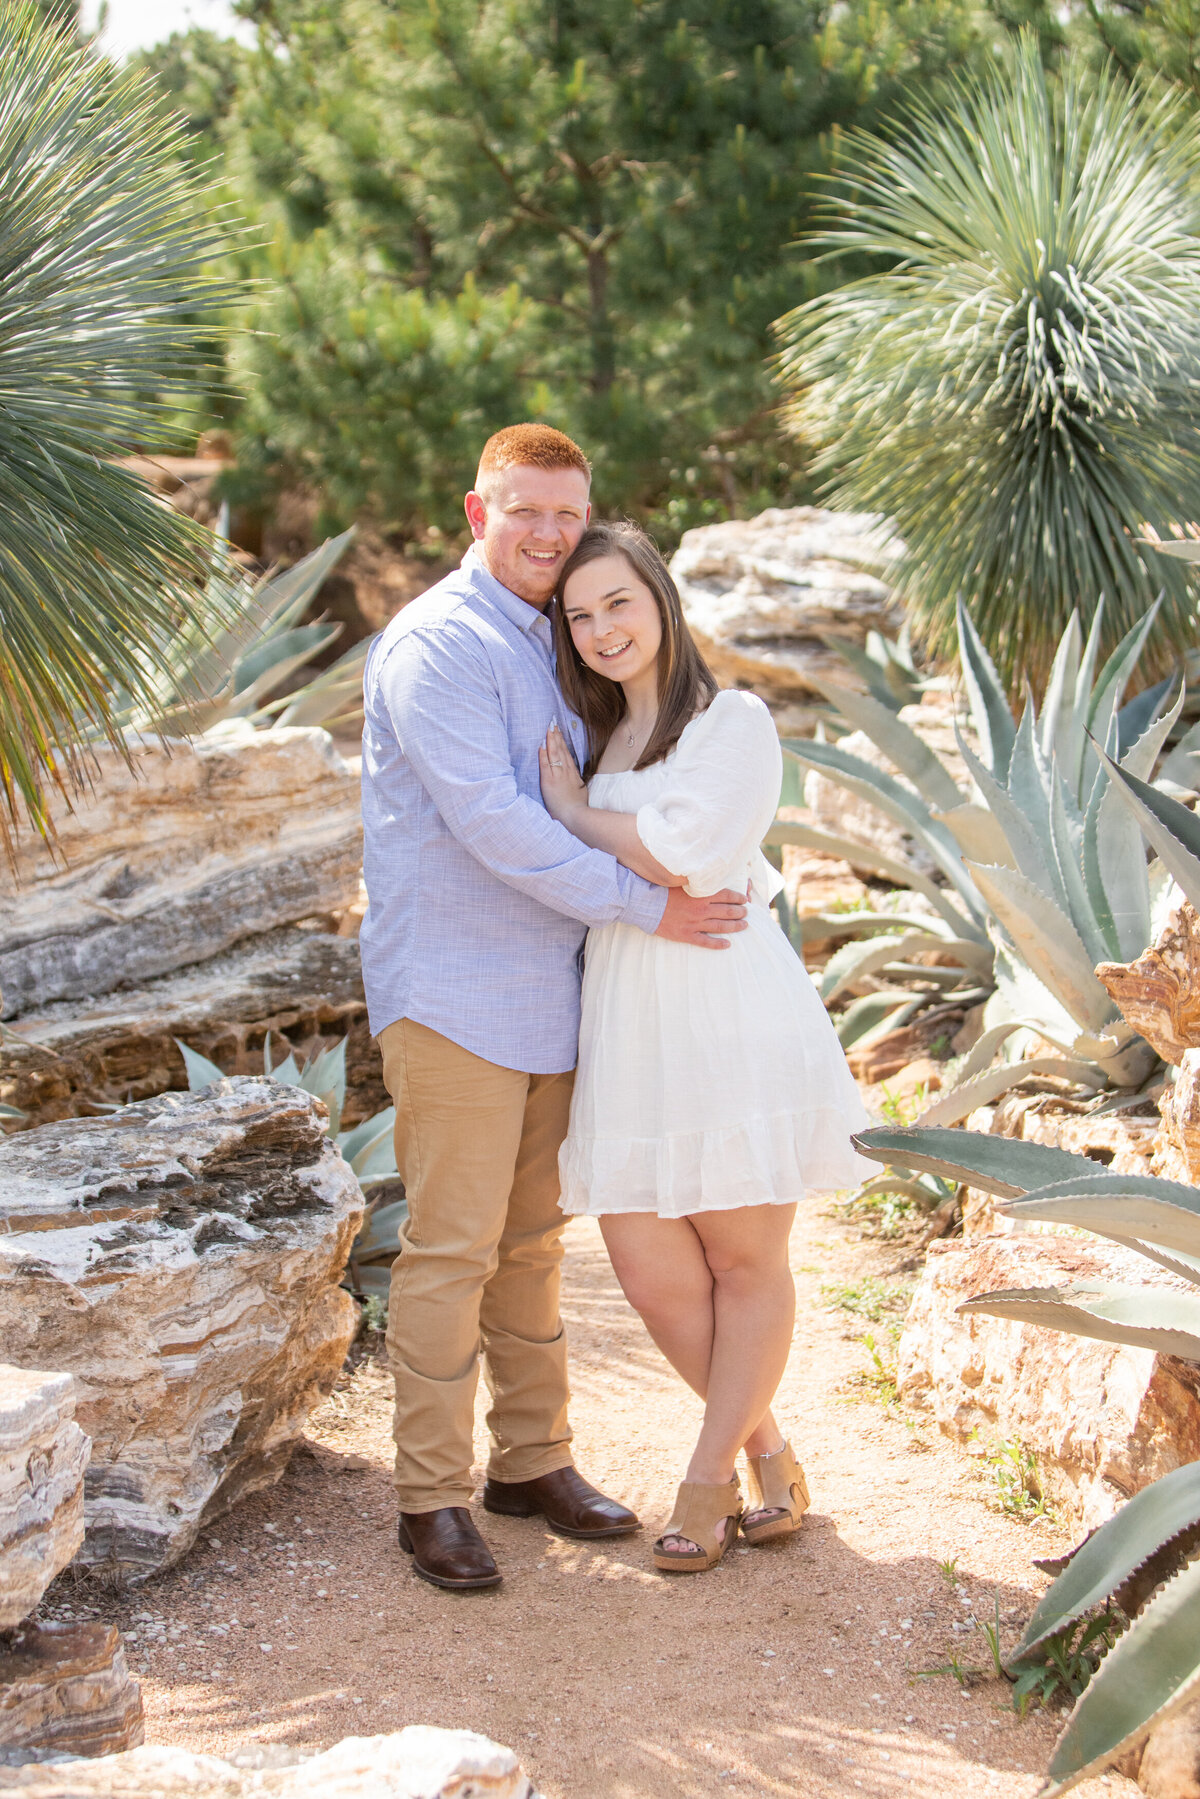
<point x="368" y="1148"/>
<point x="107" y="302"/>
<point x="1045" y="871"/>
<point x="1156" y="1665"/>
<point x="1016" y="386"/>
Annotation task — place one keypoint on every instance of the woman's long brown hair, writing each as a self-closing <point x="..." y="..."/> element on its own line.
<point x="686" y="684"/>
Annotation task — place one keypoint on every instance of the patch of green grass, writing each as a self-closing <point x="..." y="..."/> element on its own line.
<point x="1019" y="1490"/>
<point x="375" y="1313"/>
<point x="949" y="1571"/>
<point x="901" y="1109"/>
<point x="964" y="1675"/>
<point x="863" y="903"/>
<point x="869" y="1298"/>
<point x="878" y="1380"/>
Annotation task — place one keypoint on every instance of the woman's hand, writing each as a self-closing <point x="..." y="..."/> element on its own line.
<point x="563" y="792"/>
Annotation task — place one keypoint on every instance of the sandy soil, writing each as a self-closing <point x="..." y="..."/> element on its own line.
<point x="789" y="1670"/>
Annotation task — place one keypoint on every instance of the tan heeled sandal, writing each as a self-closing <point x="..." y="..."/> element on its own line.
<point x="698" y="1511"/>
<point x="777" y="1484"/>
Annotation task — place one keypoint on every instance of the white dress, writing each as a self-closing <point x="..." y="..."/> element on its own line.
<point x="707" y="1079"/>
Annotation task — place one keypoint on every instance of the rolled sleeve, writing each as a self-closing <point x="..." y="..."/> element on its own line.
<point x="448" y="715"/>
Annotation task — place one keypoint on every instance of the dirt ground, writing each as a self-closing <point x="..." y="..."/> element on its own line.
<point x="790" y="1670"/>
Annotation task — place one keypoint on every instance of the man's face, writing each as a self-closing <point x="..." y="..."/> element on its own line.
<point x="526" y="523"/>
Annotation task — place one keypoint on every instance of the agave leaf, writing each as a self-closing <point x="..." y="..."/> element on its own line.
<point x="332" y="693"/>
<point x="1048" y="942"/>
<point x="1020" y="994"/>
<point x="899" y="743"/>
<point x="1114" y="869"/>
<point x="873" y="1012"/>
<point x="1166" y="1213"/>
<point x="352" y="1142"/>
<point x="989" y="707"/>
<point x="860" y="855"/>
<point x="1066" y="832"/>
<point x="1083" y="693"/>
<point x="1062" y="730"/>
<point x="1181" y="766"/>
<point x="858" y="959"/>
<point x="1027" y="851"/>
<point x="983" y="1088"/>
<point x="201" y="1073"/>
<point x="1138" y="716"/>
<point x="1157" y="1319"/>
<point x="1169" y="827"/>
<point x="984" y="1052"/>
<point x="977" y="833"/>
<point x="380" y="1232"/>
<point x="891" y="1183"/>
<point x="288" y="1071"/>
<point x="866" y="924"/>
<point x="1005" y="1166"/>
<point x="1114" y="676"/>
<point x="1140" y="752"/>
<point x="872" y="673"/>
<point x="1118" y="1549"/>
<point x="1151" y="1671"/>
<point x="1186" y="1267"/>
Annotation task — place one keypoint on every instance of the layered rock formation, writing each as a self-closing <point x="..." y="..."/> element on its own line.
<point x="1104" y="1420"/>
<point x="760" y="594"/>
<point x="65" y="1689"/>
<point x="298" y="985"/>
<point x="43" y="1454"/>
<point x="181" y="1259"/>
<point x="195" y="848"/>
<point x="1125" y="1142"/>
<point x="1159" y="994"/>
<point x="418" y="1763"/>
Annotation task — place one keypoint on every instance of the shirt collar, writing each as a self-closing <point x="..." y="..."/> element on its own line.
<point x="519" y="611"/>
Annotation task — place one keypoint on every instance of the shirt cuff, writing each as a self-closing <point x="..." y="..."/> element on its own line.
<point x="645" y="906"/>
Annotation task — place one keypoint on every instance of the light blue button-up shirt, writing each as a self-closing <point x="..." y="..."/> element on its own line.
<point x="478" y="902"/>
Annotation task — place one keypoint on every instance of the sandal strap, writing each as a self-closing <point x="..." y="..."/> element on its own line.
<point x="699" y="1508"/>
<point x="775" y="1478"/>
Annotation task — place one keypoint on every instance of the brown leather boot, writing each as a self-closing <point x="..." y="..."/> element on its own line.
<point x="447" y="1550"/>
<point x="571" y="1506"/>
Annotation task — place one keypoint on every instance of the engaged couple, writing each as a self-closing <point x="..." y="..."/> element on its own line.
<point x="547" y="758"/>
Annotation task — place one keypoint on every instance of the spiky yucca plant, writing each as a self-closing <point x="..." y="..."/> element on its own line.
<point x="104" y="243"/>
<point x="1020" y="389"/>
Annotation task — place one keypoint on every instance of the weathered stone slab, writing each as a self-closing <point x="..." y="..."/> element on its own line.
<point x="43" y="1454"/>
<point x="1177" y="1147"/>
<point x="168" y="863"/>
<point x="65" y="1689"/>
<point x="298" y="985"/>
<point x="1104" y="1420"/>
<point x="760" y="593"/>
<point x="1159" y="994"/>
<point x="181" y="1258"/>
<point x="418" y="1763"/>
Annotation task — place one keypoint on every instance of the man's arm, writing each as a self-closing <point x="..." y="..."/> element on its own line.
<point x="446" y="713"/>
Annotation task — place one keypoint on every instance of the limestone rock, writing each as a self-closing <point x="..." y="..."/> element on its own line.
<point x="65" y="1689"/>
<point x="167" y="863"/>
<point x="299" y="985"/>
<point x="760" y="593"/>
<point x="1170" y="1762"/>
<point x="1177" y="1148"/>
<point x="43" y="1454"/>
<point x="420" y="1762"/>
<point x="1104" y="1420"/>
<point x="1159" y="994"/>
<point x="181" y="1259"/>
<point x="835" y="809"/>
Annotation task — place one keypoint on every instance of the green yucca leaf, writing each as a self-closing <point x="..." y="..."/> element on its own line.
<point x="1018" y="389"/>
<point x="105" y="301"/>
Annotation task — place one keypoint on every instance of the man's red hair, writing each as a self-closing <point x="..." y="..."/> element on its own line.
<point x="530" y="446"/>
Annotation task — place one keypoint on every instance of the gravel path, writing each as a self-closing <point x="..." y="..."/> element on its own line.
<point x="790" y="1670"/>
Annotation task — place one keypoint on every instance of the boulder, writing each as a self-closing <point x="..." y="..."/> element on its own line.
<point x="761" y="593"/>
<point x="1177" y="1146"/>
<point x="43" y="1454"/>
<point x="1159" y="994"/>
<point x="65" y="1690"/>
<point x="1169" y="1765"/>
<point x="181" y="1258"/>
<point x="420" y="1762"/>
<point x="300" y="986"/>
<point x="1103" y="1420"/>
<point x="1123" y="1141"/>
<point x="176" y="857"/>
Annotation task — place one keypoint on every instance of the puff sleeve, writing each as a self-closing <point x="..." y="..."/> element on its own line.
<point x="722" y="794"/>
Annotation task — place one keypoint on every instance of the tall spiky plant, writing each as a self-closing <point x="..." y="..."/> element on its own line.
<point x="104" y="242"/>
<point x="1020" y="389"/>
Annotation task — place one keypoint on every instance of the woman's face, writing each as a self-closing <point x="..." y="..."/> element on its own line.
<point x="613" y="618"/>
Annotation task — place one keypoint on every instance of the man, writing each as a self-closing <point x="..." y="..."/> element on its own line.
<point x="478" y="906"/>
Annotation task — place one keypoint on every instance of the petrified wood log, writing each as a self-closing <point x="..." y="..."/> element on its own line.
<point x="65" y="1689"/>
<point x="181" y="1259"/>
<point x="43" y="1454"/>
<point x="302" y="986"/>
<point x="167" y="863"/>
<point x="421" y="1762"/>
<point x="1159" y="994"/>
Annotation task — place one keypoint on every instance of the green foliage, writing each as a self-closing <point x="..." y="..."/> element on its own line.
<point x="1016" y="387"/>
<point x="106" y="247"/>
<point x="870" y="1298"/>
<point x="1046" y="874"/>
<point x="1063" y="1665"/>
<point x="1018" y="1484"/>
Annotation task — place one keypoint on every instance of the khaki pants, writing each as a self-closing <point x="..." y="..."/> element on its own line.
<point x="477" y="1146"/>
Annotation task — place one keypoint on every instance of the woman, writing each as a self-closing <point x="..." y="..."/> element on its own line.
<point x="711" y="1091"/>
